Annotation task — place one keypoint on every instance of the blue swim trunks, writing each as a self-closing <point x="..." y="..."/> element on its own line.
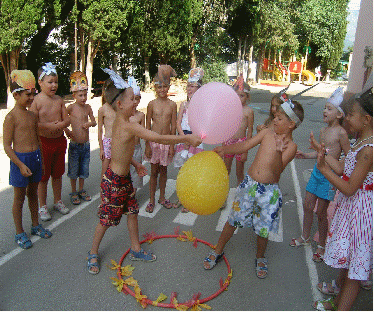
<point x="33" y="161"/>
<point x="320" y="186"/>
<point x="256" y="205"/>
<point x="78" y="160"/>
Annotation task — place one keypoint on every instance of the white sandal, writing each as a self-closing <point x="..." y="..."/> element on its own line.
<point x="296" y="243"/>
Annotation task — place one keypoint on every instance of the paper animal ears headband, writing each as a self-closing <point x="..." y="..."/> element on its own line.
<point x="132" y="82"/>
<point x="78" y="81"/>
<point x="337" y="98"/>
<point x="48" y="69"/>
<point x="118" y="81"/>
<point x="288" y="107"/>
<point x="195" y="76"/>
<point x="22" y="80"/>
<point x="163" y="75"/>
<point x="241" y="85"/>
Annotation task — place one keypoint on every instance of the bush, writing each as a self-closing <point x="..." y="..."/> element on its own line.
<point x="215" y="71"/>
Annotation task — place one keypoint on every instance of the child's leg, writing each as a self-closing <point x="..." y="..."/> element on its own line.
<point x="42" y="193"/>
<point x="163" y="179"/>
<point x="261" y="246"/>
<point x="81" y="184"/>
<point x="322" y="206"/>
<point x="132" y="226"/>
<point x="153" y="182"/>
<point x="239" y="171"/>
<point x="73" y="183"/>
<point x="228" y="163"/>
<point x="32" y="195"/>
<point x="57" y="187"/>
<point x="98" y="236"/>
<point x="19" y="198"/>
<point x="227" y="232"/>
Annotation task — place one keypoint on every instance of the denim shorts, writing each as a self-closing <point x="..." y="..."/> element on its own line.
<point x="78" y="160"/>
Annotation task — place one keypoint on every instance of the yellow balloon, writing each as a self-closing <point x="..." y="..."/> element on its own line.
<point x="203" y="183"/>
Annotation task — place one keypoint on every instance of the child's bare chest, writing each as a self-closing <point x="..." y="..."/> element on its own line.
<point x="50" y="112"/>
<point x="162" y="111"/>
<point x="330" y="136"/>
<point x="80" y="114"/>
<point x="25" y="125"/>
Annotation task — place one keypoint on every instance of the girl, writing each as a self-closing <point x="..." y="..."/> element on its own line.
<point x="183" y="151"/>
<point x="276" y="101"/>
<point x="350" y="241"/>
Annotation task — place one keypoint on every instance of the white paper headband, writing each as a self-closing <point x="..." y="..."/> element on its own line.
<point x="288" y="109"/>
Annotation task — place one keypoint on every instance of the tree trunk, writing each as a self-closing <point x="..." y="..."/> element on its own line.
<point x="239" y="57"/>
<point x="192" y="52"/>
<point x="82" y="51"/>
<point x="9" y="61"/>
<point x="244" y="53"/>
<point x="249" y="59"/>
<point x="147" y="78"/>
<point x="259" y="64"/>
<point x="91" y="53"/>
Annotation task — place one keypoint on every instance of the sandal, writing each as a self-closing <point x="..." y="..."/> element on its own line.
<point x="23" y="241"/>
<point x="177" y="204"/>
<point x="142" y="256"/>
<point x="210" y="262"/>
<point x="91" y="265"/>
<point x="74" y="198"/>
<point x="319" y="305"/>
<point x="166" y="204"/>
<point x="296" y="243"/>
<point x="317" y="256"/>
<point x="328" y="289"/>
<point x="150" y="207"/>
<point x="367" y="285"/>
<point x="83" y="194"/>
<point x="184" y="210"/>
<point x="263" y="268"/>
<point x="40" y="231"/>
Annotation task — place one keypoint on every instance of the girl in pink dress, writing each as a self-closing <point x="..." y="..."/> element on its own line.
<point x="350" y="240"/>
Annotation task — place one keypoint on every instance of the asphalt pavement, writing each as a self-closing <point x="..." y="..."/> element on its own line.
<point x="52" y="275"/>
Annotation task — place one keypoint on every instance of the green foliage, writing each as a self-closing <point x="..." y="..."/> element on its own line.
<point x="19" y="19"/>
<point x="215" y="71"/>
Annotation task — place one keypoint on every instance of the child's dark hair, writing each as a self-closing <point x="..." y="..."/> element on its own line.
<point x="41" y="70"/>
<point x="366" y="101"/>
<point x="111" y="93"/>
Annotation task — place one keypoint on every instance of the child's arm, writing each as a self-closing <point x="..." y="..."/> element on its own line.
<point x="250" y="123"/>
<point x="173" y="127"/>
<point x="67" y="131"/>
<point x="179" y="118"/>
<point x="148" y="152"/>
<point x="65" y="119"/>
<point x="92" y="122"/>
<point x="241" y="147"/>
<point x="363" y="166"/>
<point x="288" y="150"/>
<point x="344" y="141"/>
<point x="141" y="170"/>
<point x="8" y="136"/>
<point x="100" y="121"/>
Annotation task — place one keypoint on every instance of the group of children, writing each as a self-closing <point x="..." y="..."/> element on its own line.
<point x="36" y="147"/>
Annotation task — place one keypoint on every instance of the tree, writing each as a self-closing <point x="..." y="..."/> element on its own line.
<point x="19" y="20"/>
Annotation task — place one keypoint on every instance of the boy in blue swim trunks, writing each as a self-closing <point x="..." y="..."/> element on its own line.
<point x="319" y="190"/>
<point x="22" y="145"/>
<point x="258" y="198"/>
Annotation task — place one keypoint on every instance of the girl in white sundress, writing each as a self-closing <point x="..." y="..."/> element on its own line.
<point x="349" y="244"/>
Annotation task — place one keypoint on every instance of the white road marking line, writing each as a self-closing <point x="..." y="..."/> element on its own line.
<point x="188" y="218"/>
<point x="4" y="259"/>
<point x="170" y="189"/>
<point x="226" y="211"/>
<point x="313" y="275"/>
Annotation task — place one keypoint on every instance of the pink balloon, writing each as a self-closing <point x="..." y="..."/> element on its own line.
<point x="215" y="112"/>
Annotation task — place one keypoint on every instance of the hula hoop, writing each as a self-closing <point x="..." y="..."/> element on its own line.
<point x="189" y="303"/>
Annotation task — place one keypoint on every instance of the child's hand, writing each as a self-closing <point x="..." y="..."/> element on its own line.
<point x="300" y="155"/>
<point x="171" y="151"/>
<point x="141" y="170"/>
<point x="148" y="151"/>
<point x="86" y="125"/>
<point x="280" y="144"/>
<point x="314" y="143"/>
<point x="25" y="171"/>
<point x="102" y="155"/>
<point x="193" y="139"/>
<point x="260" y="127"/>
<point x="321" y="164"/>
<point x="219" y="151"/>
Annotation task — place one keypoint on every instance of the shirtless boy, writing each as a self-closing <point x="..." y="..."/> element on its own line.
<point x="161" y="118"/>
<point x="117" y="193"/>
<point x="319" y="188"/>
<point x="258" y="198"/>
<point x="105" y="119"/>
<point x="53" y="118"/>
<point x="22" y="146"/>
<point x="79" y="146"/>
<point x="244" y="131"/>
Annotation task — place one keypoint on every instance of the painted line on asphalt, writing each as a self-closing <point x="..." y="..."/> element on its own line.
<point x="313" y="274"/>
<point x="4" y="259"/>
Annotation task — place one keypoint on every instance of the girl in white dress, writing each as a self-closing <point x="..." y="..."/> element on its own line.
<point x="349" y="244"/>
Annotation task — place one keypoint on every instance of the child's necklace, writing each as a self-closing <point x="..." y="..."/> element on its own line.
<point x="359" y="142"/>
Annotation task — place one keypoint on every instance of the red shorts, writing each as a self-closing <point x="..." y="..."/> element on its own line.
<point x="53" y="151"/>
<point x="117" y="198"/>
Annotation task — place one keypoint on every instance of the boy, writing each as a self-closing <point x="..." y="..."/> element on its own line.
<point x="21" y="144"/>
<point x="139" y="117"/>
<point x="244" y="131"/>
<point x="258" y="198"/>
<point x="117" y="193"/>
<point x="319" y="188"/>
<point x="52" y="119"/>
<point x="79" y="146"/>
<point x="161" y="118"/>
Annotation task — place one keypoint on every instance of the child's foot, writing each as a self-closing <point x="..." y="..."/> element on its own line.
<point x="83" y="194"/>
<point x="165" y="203"/>
<point x="59" y="206"/>
<point x="150" y="207"/>
<point x="44" y="214"/>
<point x="74" y="198"/>
<point x="40" y="231"/>
<point x="177" y="204"/>
<point x="23" y="241"/>
<point x="212" y="259"/>
<point x="328" y="288"/>
<point x="301" y="241"/>
<point x="325" y="305"/>
<point x="184" y="210"/>
<point x="367" y="285"/>
<point x="318" y="255"/>
<point x="93" y="266"/>
<point x="142" y="256"/>
<point x="261" y="267"/>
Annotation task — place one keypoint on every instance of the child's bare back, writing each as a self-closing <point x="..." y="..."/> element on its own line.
<point x="139" y="117"/>
<point x="246" y="125"/>
<point x="107" y="114"/>
<point x="162" y="113"/>
<point x="51" y="111"/>
<point x="78" y="119"/>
